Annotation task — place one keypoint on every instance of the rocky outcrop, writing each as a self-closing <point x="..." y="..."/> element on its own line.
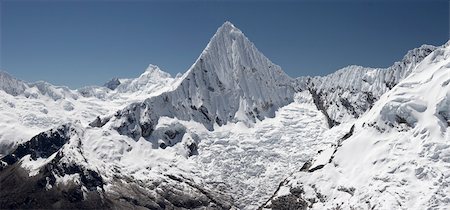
<point x="65" y="179"/>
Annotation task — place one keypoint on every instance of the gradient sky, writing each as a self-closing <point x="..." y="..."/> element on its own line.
<point x="78" y="43"/>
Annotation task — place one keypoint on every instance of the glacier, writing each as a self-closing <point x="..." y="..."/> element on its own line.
<point x="233" y="132"/>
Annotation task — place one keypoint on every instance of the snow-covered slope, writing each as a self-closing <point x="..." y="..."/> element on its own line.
<point x="227" y="132"/>
<point x="27" y="109"/>
<point x="395" y="157"/>
<point x="150" y="83"/>
<point x="351" y="91"/>
<point x="231" y="81"/>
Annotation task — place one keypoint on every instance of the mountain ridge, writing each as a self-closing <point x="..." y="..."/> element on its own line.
<point x="221" y="136"/>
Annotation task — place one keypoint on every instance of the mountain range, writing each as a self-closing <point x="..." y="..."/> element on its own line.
<point x="233" y="132"/>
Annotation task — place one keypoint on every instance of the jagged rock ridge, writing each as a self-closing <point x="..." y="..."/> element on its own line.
<point x="349" y="92"/>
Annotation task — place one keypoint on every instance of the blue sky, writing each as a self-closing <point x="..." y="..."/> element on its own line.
<point x="78" y="43"/>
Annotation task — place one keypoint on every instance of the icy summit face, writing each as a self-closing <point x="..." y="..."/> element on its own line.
<point x="231" y="81"/>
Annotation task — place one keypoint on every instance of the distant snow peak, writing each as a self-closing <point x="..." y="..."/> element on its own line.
<point x="113" y="83"/>
<point x="154" y="70"/>
<point x="10" y="84"/>
<point x="228" y="27"/>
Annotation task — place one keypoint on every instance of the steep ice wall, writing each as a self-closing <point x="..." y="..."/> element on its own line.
<point x="230" y="81"/>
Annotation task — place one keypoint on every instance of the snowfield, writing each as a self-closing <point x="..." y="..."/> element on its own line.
<point x="397" y="157"/>
<point x="27" y="109"/>
<point x="233" y="132"/>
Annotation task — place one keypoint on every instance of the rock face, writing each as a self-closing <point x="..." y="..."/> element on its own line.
<point x="43" y="187"/>
<point x="41" y="146"/>
<point x="52" y="171"/>
<point x="112" y="84"/>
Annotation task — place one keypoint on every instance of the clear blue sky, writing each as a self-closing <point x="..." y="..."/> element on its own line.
<point x="78" y="43"/>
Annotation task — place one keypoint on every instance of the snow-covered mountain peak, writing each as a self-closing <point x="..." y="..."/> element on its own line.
<point x="227" y="24"/>
<point x="231" y="66"/>
<point x="230" y="48"/>
<point x="227" y="29"/>
<point x="230" y="81"/>
<point x="399" y="147"/>
<point x="418" y="52"/>
<point x="10" y="84"/>
<point x="155" y="71"/>
<point x="232" y="57"/>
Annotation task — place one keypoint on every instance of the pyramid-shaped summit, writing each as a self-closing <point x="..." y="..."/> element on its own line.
<point x="232" y="65"/>
<point x="230" y="81"/>
<point x="231" y="53"/>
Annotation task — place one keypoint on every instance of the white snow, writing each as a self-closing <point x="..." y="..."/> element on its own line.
<point x="394" y="163"/>
<point x="33" y="166"/>
<point x="28" y="109"/>
<point x="254" y="126"/>
<point x="348" y="93"/>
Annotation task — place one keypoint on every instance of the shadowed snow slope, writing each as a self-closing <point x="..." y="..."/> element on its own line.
<point x="397" y="156"/>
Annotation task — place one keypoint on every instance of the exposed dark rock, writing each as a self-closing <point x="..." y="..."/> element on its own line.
<point x="265" y="204"/>
<point x="391" y="84"/>
<point x="193" y="149"/>
<point x="205" y="113"/>
<point x="349" y="107"/>
<point x="146" y="129"/>
<point x="320" y="106"/>
<point x="99" y="122"/>
<point x="174" y="192"/>
<point x="297" y="191"/>
<point x="347" y="135"/>
<point x="316" y="168"/>
<point x="112" y="84"/>
<point x="40" y="146"/>
<point x="401" y="120"/>
<point x="219" y="121"/>
<point x="40" y="191"/>
<point x="295" y="200"/>
<point x="289" y="202"/>
<point x="171" y="133"/>
<point x="306" y="165"/>
<point x="18" y="190"/>
<point x="370" y="99"/>
<point x="350" y="190"/>
<point x="198" y="200"/>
